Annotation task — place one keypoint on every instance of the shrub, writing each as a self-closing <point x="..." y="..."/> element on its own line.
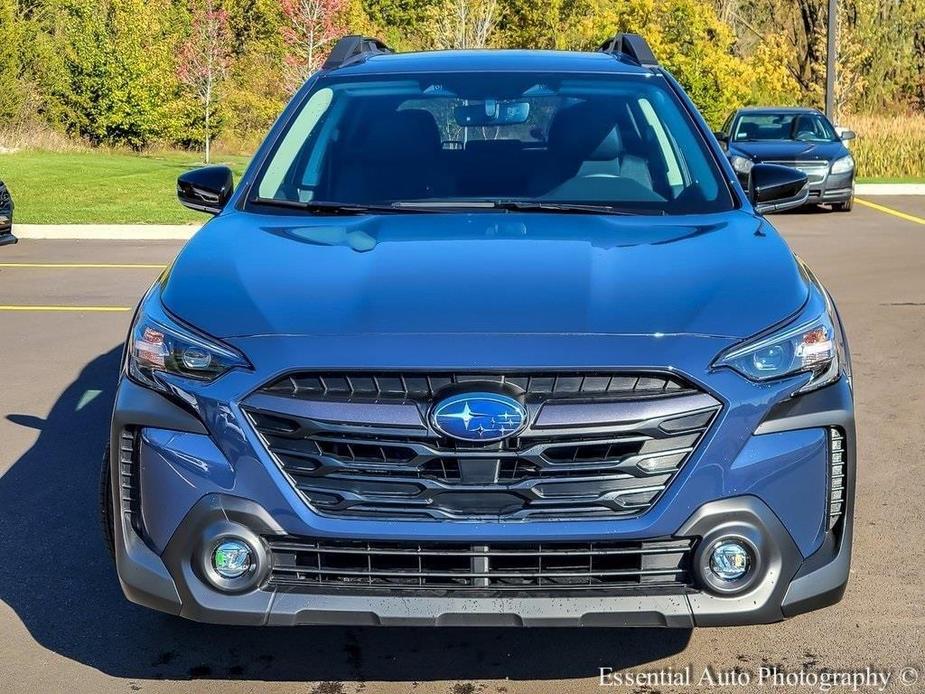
<point x="250" y="101"/>
<point x="12" y="91"/>
<point x="113" y="81"/>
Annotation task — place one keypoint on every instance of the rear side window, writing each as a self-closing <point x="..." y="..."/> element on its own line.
<point x="618" y="140"/>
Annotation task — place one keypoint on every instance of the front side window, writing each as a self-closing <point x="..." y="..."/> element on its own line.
<point x="620" y="141"/>
<point x="808" y="127"/>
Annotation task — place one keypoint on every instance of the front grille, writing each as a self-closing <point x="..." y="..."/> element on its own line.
<point x="816" y="171"/>
<point x="597" y="445"/>
<point x="307" y="564"/>
<point x="403" y="387"/>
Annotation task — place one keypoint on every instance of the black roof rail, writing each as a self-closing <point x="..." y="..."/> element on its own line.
<point x="354" y="46"/>
<point x="633" y="46"/>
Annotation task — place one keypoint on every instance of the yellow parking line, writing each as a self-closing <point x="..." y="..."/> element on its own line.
<point x="84" y="266"/>
<point x="94" y="309"/>
<point x="890" y="210"/>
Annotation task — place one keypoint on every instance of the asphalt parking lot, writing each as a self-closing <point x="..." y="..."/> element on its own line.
<point x="64" y="626"/>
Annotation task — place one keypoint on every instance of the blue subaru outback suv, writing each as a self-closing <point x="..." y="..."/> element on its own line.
<point x="485" y="338"/>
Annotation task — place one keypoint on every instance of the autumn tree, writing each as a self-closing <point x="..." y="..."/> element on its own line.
<point x="12" y="94"/>
<point x="687" y="36"/>
<point x="204" y="59"/>
<point x="463" y="24"/>
<point x="108" y="74"/>
<point x="403" y="24"/>
<point x="310" y="27"/>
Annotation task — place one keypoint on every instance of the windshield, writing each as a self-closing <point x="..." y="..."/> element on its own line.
<point x="524" y="141"/>
<point x="806" y="127"/>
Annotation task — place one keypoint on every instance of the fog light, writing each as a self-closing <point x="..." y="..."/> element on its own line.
<point x="232" y="559"/>
<point x="730" y="560"/>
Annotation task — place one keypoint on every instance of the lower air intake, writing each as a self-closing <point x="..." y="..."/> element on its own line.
<point x="300" y="563"/>
<point x="129" y="478"/>
<point x="837" y="479"/>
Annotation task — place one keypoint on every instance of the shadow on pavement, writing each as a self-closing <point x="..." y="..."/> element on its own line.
<point x="809" y="209"/>
<point x="58" y="578"/>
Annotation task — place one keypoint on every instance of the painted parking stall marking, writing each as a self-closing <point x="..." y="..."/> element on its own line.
<point x="70" y="309"/>
<point x="67" y="308"/>
<point x="890" y="211"/>
<point x="84" y="266"/>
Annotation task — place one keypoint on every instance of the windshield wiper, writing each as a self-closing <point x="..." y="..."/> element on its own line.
<point x="334" y="208"/>
<point x="567" y="208"/>
<point x="519" y="206"/>
<point x="438" y="205"/>
<point x="345" y="208"/>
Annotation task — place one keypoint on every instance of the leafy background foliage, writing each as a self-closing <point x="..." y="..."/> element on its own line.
<point x="115" y="72"/>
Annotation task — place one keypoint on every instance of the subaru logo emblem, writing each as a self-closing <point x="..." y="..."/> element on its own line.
<point x="479" y="417"/>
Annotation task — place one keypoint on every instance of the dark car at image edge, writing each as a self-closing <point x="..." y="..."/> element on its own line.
<point x="485" y="338"/>
<point x="6" y="216"/>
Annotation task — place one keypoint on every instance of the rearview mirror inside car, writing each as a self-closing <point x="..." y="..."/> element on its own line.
<point x="774" y="188"/>
<point x="492" y="112"/>
<point x="206" y="189"/>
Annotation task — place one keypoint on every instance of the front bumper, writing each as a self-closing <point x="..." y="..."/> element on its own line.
<point x="178" y="581"/>
<point x="212" y="496"/>
<point x="787" y="586"/>
<point x="833" y="188"/>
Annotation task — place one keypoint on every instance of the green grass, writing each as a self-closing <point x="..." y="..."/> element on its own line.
<point x="101" y="187"/>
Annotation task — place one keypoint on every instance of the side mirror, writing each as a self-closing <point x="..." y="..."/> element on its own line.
<point x="207" y="189"/>
<point x="721" y="137"/>
<point x="847" y="135"/>
<point x="774" y="188"/>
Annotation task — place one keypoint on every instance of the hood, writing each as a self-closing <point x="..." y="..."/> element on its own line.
<point x="725" y="275"/>
<point x="791" y="150"/>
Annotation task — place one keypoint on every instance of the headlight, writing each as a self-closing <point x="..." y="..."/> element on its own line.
<point x="843" y="165"/>
<point x="806" y="346"/>
<point x="741" y="164"/>
<point x="159" y="344"/>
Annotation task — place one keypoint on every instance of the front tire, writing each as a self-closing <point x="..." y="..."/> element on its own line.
<point x="106" y="513"/>
<point x="845" y="206"/>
